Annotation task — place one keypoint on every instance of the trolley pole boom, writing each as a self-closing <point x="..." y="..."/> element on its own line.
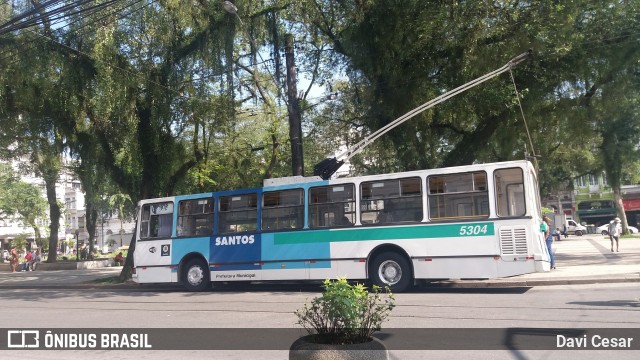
<point x="328" y="167"/>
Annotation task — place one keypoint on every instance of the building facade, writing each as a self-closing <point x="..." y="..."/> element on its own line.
<point x="592" y="201"/>
<point x="72" y="227"/>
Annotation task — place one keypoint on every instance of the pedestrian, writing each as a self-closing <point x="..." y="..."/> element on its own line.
<point x="27" y="260"/>
<point x="556" y="234"/>
<point x="37" y="258"/>
<point x="614" y="232"/>
<point x="14" y="260"/>
<point x="549" y="240"/>
<point x="119" y="259"/>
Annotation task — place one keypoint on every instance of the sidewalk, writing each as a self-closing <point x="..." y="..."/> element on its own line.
<point x="579" y="260"/>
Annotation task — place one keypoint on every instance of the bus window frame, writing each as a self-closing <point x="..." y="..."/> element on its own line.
<point x="300" y="223"/>
<point x="505" y="187"/>
<point x="472" y="195"/>
<point x="209" y="215"/>
<point x="149" y="222"/>
<point x="218" y="223"/>
<point x="379" y="221"/>
<point x="354" y="203"/>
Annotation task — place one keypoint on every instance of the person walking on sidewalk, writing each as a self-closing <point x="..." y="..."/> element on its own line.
<point x="548" y="236"/>
<point x="14" y="260"/>
<point x="614" y="232"/>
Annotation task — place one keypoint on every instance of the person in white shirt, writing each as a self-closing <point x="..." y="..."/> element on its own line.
<point x="614" y="232"/>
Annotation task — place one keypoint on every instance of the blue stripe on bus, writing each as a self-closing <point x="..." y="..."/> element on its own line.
<point x="276" y="252"/>
<point x="184" y="246"/>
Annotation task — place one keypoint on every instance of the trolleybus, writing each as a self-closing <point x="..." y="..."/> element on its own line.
<point x="470" y="222"/>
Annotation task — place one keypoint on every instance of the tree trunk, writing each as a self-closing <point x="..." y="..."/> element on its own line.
<point x="620" y="209"/>
<point x="54" y="217"/>
<point x="127" y="269"/>
<point x="295" y="116"/>
<point x="91" y="220"/>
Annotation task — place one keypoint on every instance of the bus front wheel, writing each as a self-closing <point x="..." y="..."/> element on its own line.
<point x="195" y="275"/>
<point x="391" y="269"/>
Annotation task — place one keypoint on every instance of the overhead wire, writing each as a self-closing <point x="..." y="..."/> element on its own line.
<point x="122" y="69"/>
<point x="54" y="2"/>
<point x="43" y="39"/>
<point x="82" y="29"/>
<point x="47" y="38"/>
<point x="36" y="16"/>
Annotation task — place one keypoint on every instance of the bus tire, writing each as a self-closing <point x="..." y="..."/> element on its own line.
<point x="391" y="269"/>
<point x="195" y="275"/>
<point x="578" y="232"/>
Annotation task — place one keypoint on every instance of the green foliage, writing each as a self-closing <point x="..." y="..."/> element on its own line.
<point x="20" y="242"/>
<point x="405" y="55"/>
<point x="176" y="97"/>
<point x="21" y="199"/>
<point x="345" y="314"/>
<point x="546" y="210"/>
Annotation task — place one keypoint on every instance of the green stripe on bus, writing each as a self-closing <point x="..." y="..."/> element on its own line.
<point x="385" y="233"/>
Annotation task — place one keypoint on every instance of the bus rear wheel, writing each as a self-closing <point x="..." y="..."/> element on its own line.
<point x="391" y="269"/>
<point x="195" y="275"/>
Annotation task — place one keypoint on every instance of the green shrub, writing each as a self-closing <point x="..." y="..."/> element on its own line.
<point x="345" y="313"/>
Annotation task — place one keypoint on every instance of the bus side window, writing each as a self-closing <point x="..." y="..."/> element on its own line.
<point x="195" y="217"/>
<point x="510" y="199"/>
<point x="283" y="210"/>
<point x="462" y="195"/>
<point x="238" y="213"/>
<point x="157" y="220"/>
<point x="391" y="201"/>
<point x="332" y="206"/>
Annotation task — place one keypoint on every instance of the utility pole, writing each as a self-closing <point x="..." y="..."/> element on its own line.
<point x="295" y="116"/>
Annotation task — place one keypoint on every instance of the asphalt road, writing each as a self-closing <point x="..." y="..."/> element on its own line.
<point x="272" y="306"/>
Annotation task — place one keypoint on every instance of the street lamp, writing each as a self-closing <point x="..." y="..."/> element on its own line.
<point x="231" y="9"/>
<point x="102" y="237"/>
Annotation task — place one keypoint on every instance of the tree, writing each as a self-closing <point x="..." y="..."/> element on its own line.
<point x="21" y="200"/>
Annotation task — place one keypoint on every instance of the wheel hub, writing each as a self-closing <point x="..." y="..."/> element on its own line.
<point x="390" y="272"/>
<point x="195" y="275"/>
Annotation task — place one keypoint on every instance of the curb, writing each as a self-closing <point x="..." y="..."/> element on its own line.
<point x="85" y="285"/>
<point x="628" y="278"/>
<point x="459" y="284"/>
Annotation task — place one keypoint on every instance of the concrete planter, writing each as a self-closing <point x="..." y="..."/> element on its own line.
<point x="304" y="349"/>
<point x="72" y="265"/>
<point x="67" y="265"/>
